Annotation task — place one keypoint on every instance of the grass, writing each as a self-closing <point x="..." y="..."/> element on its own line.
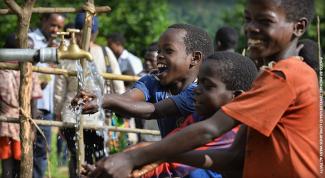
<point x="56" y="170"/>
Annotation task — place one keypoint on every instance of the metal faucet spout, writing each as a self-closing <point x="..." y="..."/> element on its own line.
<point x="74" y="53"/>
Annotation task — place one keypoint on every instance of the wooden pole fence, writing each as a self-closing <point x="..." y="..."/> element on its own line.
<point x="40" y="10"/>
<point x="86" y="37"/>
<point x="86" y="126"/>
<point x="58" y="71"/>
<point x="24" y="14"/>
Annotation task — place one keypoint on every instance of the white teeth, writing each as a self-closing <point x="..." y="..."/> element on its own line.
<point x="161" y="65"/>
<point x="253" y="42"/>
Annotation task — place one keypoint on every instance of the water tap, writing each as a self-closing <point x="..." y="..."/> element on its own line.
<point x="63" y="46"/>
<point x="73" y="52"/>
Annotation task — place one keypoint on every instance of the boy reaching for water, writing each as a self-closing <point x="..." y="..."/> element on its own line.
<point x="281" y="110"/>
<point x="168" y="94"/>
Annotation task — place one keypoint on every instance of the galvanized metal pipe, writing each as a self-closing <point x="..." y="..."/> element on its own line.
<point x="44" y="55"/>
<point x="20" y="55"/>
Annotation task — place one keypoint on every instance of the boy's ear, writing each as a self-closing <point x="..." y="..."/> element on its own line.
<point x="300" y="27"/>
<point x="237" y="93"/>
<point x="197" y="58"/>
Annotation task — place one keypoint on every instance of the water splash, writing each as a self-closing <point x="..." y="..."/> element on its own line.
<point x="90" y="80"/>
<point x="94" y="82"/>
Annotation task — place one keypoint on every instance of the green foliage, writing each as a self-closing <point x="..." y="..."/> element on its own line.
<point x="8" y="25"/>
<point x="56" y="171"/>
<point x="312" y="31"/>
<point x="205" y="14"/>
<point x="118" y="140"/>
<point x="141" y="22"/>
<point x="233" y="17"/>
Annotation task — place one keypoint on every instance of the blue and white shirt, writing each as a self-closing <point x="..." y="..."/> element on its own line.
<point x="129" y="63"/>
<point x="155" y="92"/>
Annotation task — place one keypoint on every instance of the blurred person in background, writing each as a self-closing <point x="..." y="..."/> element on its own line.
<point x="129" y="63"/>
<point x="10" y="146"/>
<point x="149" y="66"/>
<point x="41" y="38"/>
<point x="226" y="39"/>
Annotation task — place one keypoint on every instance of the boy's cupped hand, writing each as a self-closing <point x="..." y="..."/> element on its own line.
<point x="116" y="166"/>
<point x="87" y="101"/>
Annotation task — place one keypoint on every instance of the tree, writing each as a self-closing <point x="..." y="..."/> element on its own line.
<point x="141" y="22"/>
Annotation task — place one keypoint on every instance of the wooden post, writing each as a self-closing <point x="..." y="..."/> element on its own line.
<point x="40" y="10"/>
<point x="24" y="16"/>
<point x="86" y="126"/>
<point x="86" y="34"/>
<point x="58" y="71"/>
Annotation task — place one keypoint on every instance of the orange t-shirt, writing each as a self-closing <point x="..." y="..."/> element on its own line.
<point x="283" y="119"/>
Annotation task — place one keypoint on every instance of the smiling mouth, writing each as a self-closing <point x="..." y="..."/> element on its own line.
<point x="162" y="68"/>
<point x="253" y="43"/>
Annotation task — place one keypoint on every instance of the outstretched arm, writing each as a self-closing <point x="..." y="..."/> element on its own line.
<point x="141" y="109"/>
<point x="121" y="165"/>
<point x="222" y="160"/>
<point x="132" y="103"/>
<point x="187" y="139"/>
<point x="228" y="161"/>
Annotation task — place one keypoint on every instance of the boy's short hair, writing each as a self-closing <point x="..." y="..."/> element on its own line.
<point x="153" y="46"/>
<point x="227" y="36"/>
<point x="310" y="53"/>
<point x="296" y="9"/>
<point x="237" y="72"/>
<point x="116" y="38"/>
<point x="196" y="39"/>
<point x="46" y="16"/>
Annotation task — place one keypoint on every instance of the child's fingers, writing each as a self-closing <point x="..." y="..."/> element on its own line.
<point x="145" y="169"/>
<point x="86" y="94"/>
<point x="89" y="108"/>
<point x="87" y="168"/>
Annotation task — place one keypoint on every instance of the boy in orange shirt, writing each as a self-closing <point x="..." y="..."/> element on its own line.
<point x="281" y="110"/>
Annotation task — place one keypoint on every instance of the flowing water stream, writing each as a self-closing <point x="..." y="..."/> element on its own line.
<point x="90" y="80"/>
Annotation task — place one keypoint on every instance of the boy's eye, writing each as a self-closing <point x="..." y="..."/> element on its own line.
<point x="265" y="21"/>
<point x="169" y="50"/>
<point x="208" y="85"/>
